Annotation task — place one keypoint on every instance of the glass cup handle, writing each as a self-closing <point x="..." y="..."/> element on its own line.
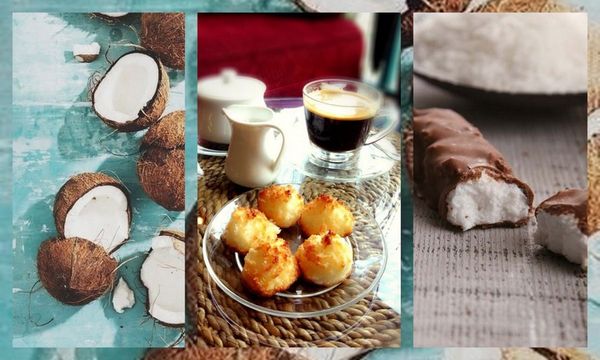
<point x="392" y="120"/>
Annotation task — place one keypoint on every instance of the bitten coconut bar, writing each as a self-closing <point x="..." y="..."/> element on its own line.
<point x="464" y="177"/>
<point x="562" y="225"/>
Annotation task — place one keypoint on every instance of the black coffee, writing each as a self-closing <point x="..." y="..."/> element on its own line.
<point x="338" y="120"/>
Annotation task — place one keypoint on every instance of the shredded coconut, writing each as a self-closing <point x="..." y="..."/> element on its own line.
<point x="537" y="53"/>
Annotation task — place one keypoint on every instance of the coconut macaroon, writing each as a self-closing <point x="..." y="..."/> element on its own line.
<point x="93" y="206"/>
<point x="163" y="274"/>
<point x="562" y="225"/>
<point x="75" y="271"/>
<point x="282" y="204"/>
<point x="269" y="268"/>
<point x="248" y="228"/>
<point x="326" y="213"/>
<point x="161" y="167"/>
<point x="164" y="34"/>
<point x="464" y="177"/>
<point x="133" y="92"/>
<point x="325" y="259"/>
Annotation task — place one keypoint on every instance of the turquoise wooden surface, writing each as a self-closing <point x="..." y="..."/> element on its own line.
<point x="57" y="135"/>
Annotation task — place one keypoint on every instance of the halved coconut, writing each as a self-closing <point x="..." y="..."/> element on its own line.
<point x="111" y="16"/>
<point x="75" y="271"/>
<point x="93" y="206"/>
<point x="164" y="34"/>
<point x="133" y="92"/>
<point x="161" y="167"/>
<point x="163" y="274"/>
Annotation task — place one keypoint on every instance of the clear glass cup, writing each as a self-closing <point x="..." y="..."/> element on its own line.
<point x="340" y="114"/>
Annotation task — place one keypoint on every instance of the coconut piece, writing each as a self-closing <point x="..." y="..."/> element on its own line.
<point x="75" y="271"/>
<point x="562" y="225"/>
<point x="161" y="167"/>
<point x="93" y="206"/>
<point x="164" y="34"/>
<point x="86" y="52"/>
<point x="114" y="14"/>
<point x="123" y="297"/>
<point x="133" y="92"/>
<point x="163" y="274"/>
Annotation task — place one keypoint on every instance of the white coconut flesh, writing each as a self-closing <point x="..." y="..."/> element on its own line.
<point x="127" y="88"/>
<point x="163" y="273"/>
<point x="81" y="51"/>
<point x="114" y="14"/>
<point x="123" y="297"/>
<point x="99" y="216"/>
<point x="486" y="201"/>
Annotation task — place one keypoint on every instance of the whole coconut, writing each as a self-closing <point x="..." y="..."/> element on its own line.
<point x="164" y="34"/>
<point x="161" y="167"/>
<point x="75" y="271"/>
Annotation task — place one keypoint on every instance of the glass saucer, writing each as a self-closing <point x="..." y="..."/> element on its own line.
<point x="302" y="300"/>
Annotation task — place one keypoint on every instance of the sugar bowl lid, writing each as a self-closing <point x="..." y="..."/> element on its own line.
<point x="230" y="86"/>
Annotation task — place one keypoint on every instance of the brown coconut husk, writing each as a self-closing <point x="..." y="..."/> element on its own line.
<point x="161" y="167"/>
<point x="164" y="34"/>
<point x="154" y="108"/>
<point x="75" y="188"/>
<point x="193" y="351"/>
<point x="75" y="271"/>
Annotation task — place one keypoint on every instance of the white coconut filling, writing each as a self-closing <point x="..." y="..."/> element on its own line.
<point x="99" y="216"/>
<point x="485" y="201"/>
<point x="127" y="87"/>
<point x="163" y="273"/>
<point x="561" y="235"/>
<point x="123" y="297"/>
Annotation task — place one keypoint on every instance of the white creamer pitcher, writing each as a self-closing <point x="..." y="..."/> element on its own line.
<point x="254" y="158"/>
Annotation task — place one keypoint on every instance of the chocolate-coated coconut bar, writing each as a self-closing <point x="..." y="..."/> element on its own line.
<point x="562" y="225"/>
<point x="464" y="177"/>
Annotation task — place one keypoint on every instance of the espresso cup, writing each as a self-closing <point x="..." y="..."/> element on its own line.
<point x="339" y="118"/>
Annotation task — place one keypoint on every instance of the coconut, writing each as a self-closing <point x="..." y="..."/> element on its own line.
<point x="161" y="167"/>
<point x="163" y="274"/>
<point x="164" y="34"/>
<point x="95" y="207"/>
<point x="133" y="92"/>
<point x="111" y="16"/>
<point x="75" y="271"/>
<point x="86" y="52"/>
<point x="123" y="297"/>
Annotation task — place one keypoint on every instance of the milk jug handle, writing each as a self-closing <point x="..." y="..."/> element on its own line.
<point x="279" y="159"/>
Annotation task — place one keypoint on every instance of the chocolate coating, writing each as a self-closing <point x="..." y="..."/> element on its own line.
<point x="569" y="201"/>
<point x="449" y="150"/>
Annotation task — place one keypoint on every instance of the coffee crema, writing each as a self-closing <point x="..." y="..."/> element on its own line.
<point x="338" y="120"/>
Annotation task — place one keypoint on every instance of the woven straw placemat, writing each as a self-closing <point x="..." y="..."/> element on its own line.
<point x="368" y="323"/>
<point x="194" y="352"/>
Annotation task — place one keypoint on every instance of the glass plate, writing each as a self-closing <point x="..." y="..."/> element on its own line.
<point x="302" y="300"/>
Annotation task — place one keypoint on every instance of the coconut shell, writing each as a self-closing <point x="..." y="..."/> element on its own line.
<point x="164" y="34"/>
<point x="162" y="176"/>
<point x="161" y="167"/>
<point x="75" y="188"/>
<point x="75" y="271"/>
<point x="168" y="133"/>
<point x="179" y="235"/>
<point x="154" y="108"/>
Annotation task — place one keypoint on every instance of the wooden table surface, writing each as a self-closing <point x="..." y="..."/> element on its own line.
<point x="494" y="287"/>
